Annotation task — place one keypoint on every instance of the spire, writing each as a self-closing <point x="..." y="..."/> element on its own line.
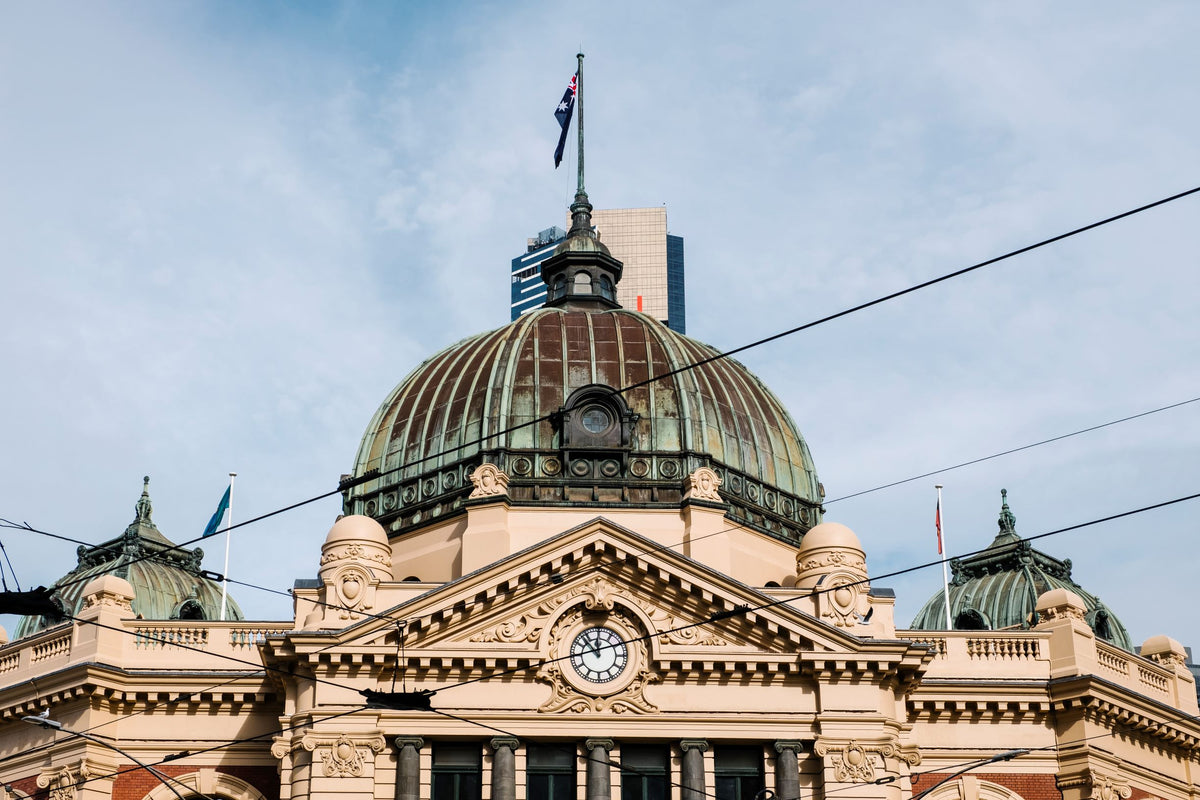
<point x="582" y="273"/>
<point x="143" y="506"/>
<point x="1007" y="523"/>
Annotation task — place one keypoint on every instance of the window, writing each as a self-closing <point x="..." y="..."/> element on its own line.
<point x="739" y="773"/>
<point x="644" y="773"/>
<point x="551" y="772"/>
<point x="457" y="772"/>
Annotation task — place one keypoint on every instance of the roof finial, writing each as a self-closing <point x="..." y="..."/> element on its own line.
<point x="1007" y="521"/>
<point x="143" y="504"/>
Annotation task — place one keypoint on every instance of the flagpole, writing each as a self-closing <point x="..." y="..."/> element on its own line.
<point x="228" y="525"/>
<point x="579" y="102"/>
<point x="941" y="548"/>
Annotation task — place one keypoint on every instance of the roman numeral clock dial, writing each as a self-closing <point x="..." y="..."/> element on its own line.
<point x="598" y="655"/>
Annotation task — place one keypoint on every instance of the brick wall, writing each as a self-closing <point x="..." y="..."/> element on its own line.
<point x="1030" y="787"/>
<point x="137" y="783"/>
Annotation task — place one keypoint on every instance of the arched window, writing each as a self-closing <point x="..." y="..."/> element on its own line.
<point x="190" y="609"/>
<point x="583" y="283"/>
<point x="607" y="291"/>
<point x="970" y="620"/>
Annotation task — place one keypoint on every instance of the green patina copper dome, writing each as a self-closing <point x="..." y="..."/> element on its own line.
<point x="583" y="403"/>
<point x="167" y="580"/>
<point x="514" y="397"/>
<point x="999" y="587"/>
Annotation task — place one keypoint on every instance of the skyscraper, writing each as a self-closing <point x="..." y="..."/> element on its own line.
<point x="653" y="279"/>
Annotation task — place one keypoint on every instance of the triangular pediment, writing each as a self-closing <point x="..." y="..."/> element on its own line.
<point x="684" y="609"/>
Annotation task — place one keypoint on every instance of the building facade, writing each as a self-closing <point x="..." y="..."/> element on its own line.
<point x="559" y="576"/>
<point x="653" y="280"/>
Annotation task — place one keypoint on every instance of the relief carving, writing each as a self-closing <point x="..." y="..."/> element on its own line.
<point x="597" y="595"/>
<point x="695" y="636"/>
<point x="355" y="552"/>
<point x="489" y="481"/>
<point x="1061" y="612"/>
<point x="343" y="756"/>
<point x="62" y="781"/>
<point x="1105" y="787"/>
<point x="855" y="763"/>
<point x="564" y="697"/>
<point x="702" y="485"/>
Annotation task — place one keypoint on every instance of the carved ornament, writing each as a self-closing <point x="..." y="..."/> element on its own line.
<point x="836" y="558"/>
<point x="855" y="762"/>
<point x="564" y="697"/>
<point x="1106" y="787"/>
<point x="1061" y="612"/>
<point x="108" y="600"/>
<point x="702" y="485"/>
<point x="597" y="594"/>
<point x="344" y="756"/>
<point x="489" y="481"/>
<point x="356" y="552"/>
<point x="63" y="781"/>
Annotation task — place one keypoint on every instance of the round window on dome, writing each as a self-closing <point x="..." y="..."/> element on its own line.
<point x="596" y="419"/>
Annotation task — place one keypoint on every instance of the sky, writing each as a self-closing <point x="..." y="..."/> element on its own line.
<point x="229" y="229"/>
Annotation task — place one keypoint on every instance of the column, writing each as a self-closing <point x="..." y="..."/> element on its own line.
<point x="408" y="767"/>
<point x="693" y="769"/>
<point x="787" y="770"/>
<point x="599" y="777"/>
<point x="504" y="768"/>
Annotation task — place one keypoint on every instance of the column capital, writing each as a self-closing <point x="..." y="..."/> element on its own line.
<point x="415" y="742"/>
<point x="693" y="744"/>
<point x="795" y="745"/>
<point x="605" y="744"/>
<point x="511" y="742"/>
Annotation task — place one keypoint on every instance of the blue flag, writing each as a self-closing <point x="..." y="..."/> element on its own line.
<point x="222" y="507"/>
<point x="563" y="114"/>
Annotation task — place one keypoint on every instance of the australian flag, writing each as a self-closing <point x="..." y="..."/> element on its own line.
<point x="566" y="107"/>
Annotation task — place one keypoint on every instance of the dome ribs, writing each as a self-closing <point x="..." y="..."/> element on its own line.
<point x="716" y="413"/>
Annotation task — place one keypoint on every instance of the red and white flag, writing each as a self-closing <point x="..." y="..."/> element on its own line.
<point x="937" y="521"/>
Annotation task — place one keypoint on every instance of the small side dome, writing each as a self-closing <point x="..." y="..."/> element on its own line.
<point x="109" y="584"/>
<point x="830" y="551"/>
<point x="356" y="528"/>
<point x="160" y="577"/>
<point x="830" y="534"/>
<point x="356" y="542"/>
<point x="1006" y="585"/>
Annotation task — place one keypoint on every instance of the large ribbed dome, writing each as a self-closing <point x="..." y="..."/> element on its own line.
<point x="520" y="396"/>
<point x="167" y="581"/>
<point x="999" y="587"/>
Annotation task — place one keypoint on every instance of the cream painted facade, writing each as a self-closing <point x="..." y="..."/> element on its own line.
<point x="732" y="639"/>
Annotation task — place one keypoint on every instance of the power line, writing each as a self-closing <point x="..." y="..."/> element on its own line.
<point x="737" y="611"/>
<point x="370" y="476"/>
<point x="1013" y="450"/>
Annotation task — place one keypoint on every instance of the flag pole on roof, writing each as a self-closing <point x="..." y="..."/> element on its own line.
<point x="228" y="525"/>
<point x="941" y="552"/>
<point x="579" y="101"/>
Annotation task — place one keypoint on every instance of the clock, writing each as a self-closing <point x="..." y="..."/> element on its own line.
<point x="598" y="654"/>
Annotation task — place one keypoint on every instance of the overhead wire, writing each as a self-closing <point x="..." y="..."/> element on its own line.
<point x="740" y="610"/>
<point x="1012" y="450"/>
<point x="375" y="475"/>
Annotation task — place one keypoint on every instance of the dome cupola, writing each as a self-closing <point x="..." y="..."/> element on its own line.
<point x="998" y="588"/>
<point x="167" y="580"/>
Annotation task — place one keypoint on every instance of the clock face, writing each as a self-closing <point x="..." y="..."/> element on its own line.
<point x="598" y="655"/>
